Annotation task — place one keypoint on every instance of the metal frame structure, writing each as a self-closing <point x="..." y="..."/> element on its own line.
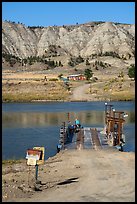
<point x="114" y="124"/>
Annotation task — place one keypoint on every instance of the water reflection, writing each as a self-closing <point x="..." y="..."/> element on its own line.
<point x="48" y="119"/>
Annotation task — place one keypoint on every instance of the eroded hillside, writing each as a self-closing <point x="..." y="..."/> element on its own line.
<point x="84" y="39"/>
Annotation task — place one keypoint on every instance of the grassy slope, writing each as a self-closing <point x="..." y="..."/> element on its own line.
<point x="31" y="85"/>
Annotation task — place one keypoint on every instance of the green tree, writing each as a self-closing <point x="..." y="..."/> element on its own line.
<point x="79" y="59"/>
<point x="56" y="64"/>
<point x="88" y="73"/>
<point x="12" y="62"/>
<point x="60" y="64"/>
<point x="131" y="71"/>
<point x="51" y="63"/>
<point x="70" y="63"/>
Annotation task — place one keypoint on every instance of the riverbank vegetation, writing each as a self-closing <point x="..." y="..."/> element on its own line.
<point x="12" y="161"/>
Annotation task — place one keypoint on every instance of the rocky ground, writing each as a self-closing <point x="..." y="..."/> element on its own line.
<point x="86" y="175"/>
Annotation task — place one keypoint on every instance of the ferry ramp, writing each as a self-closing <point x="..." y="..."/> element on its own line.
<point x="87" y="138"/>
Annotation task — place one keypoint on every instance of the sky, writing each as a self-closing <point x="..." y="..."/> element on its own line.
<point x="67" y="13"/>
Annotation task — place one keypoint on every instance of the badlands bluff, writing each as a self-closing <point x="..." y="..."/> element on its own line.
<point x="87" y="40"/>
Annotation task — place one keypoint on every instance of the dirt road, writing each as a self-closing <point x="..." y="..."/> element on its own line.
<point x="81" y="93"/>
<point x="75" y="175"/>
<point x="88" y="92"/>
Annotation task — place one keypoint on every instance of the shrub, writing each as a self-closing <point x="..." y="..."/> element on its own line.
<point x="53" y="79"/>
<point x="88" y="74"/>
<point x="131" y="71"/>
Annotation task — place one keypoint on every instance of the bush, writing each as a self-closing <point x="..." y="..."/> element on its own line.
<point x="53" y="79"/>
<point x="88" y="74"/>
<point x="131" y="71"/>
<point x="75" y="61"/>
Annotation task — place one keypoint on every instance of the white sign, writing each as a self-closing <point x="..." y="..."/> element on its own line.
<point x="32" y="156"/>
<point x="31" y="161"/>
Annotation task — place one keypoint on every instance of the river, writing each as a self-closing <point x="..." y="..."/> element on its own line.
<point x="27" y="125"/>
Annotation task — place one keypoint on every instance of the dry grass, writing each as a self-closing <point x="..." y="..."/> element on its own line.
<point x="33" y="90"/>
<point x="123" y="95"/>
<point x="29" y="86"/>
<point x="12" y="161"/>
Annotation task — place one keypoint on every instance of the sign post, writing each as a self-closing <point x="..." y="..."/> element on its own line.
<point x="35" y="157"/>
<point x="36" y="174"/>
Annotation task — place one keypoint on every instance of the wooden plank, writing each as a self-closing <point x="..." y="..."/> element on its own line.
<point x="95" y="139"/>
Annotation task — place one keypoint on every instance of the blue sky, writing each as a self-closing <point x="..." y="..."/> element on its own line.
<point x="67" y="13"/>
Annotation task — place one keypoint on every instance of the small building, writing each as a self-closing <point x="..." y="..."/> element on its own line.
<point x="76" y="77"/>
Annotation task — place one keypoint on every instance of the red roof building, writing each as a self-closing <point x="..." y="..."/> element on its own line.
<point x="76" y="77"/>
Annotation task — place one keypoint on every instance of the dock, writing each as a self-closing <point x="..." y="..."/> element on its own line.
<point x="78" y="137"/>
<point x="87" y="138"/>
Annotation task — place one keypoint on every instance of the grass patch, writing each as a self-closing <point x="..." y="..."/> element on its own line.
<point x="12" y="161"/>
<point x="122" y="96"/>
<point x="35" y="91"/>
<point x="28" y="97"/>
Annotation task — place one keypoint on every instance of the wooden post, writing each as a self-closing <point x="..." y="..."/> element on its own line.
<point x="105" y="113"/>
<point x="64" y="135"/>
<point x="113" y="125"/>
<point x="68" y="117"/>
<point x="119" y="128"/>
<point x="36" y="172"/>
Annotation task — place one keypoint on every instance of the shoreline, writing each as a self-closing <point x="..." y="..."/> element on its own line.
<point x="17" y="161"/>
<point x="32" y="101"/>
